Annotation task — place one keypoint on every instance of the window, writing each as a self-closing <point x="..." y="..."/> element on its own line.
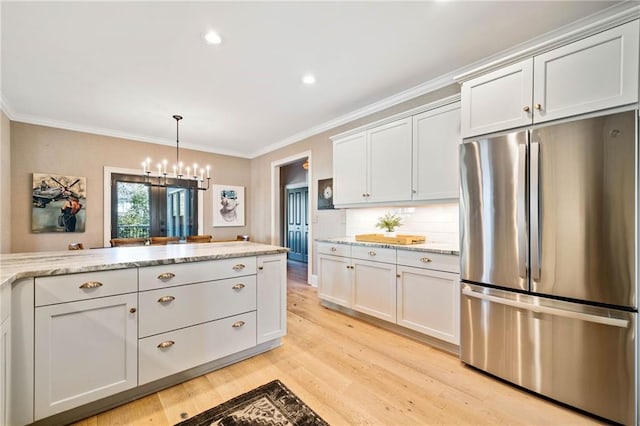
<point x="139" y="210"/>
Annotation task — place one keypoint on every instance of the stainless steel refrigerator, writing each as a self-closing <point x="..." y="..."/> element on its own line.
<point x="549" y="219"/>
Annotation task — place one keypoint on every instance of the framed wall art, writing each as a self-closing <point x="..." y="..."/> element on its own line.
<point x="325" y="194"/>
<point x="58" y="203"/>
<point x="228" y="205"/>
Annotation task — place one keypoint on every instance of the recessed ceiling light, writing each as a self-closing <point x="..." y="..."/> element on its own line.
<point x="212" y="38"/>
<point x="308" y="79"/>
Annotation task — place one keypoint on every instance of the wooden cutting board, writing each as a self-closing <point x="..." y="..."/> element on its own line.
<point x="398" y="239"/>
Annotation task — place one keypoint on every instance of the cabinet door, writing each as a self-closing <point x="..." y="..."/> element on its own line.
<point x="334" y="279"/>
<point x="374" y="289"/>
<point x="429" y="302"/>
<point x="436" y="136"/>
<point x="350" y="169"/>
<point x="595" y="73"/>
<point x="390" y="162"/>
<point x="272" y="297"/>
<point x="84" y="351"/>
<point x="499" y="100"/>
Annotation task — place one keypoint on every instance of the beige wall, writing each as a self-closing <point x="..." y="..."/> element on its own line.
<point x="325" y="223"/>
<point x="49" y="150"/>
<point x="5" y="184"/>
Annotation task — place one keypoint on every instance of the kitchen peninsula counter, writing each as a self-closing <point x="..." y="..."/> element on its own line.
<point x="441" y="248"/>
<point x="37" y="264"/>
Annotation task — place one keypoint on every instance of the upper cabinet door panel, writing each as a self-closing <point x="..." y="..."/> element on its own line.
<point x="390" y="159"/>
<point x="436" y="136"/>
<point x="595" y="73"/>
<point x="498" y="100"/>
<point x="350" y="169"/>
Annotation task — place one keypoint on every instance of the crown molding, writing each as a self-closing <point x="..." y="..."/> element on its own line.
<point x="608" y="18"/>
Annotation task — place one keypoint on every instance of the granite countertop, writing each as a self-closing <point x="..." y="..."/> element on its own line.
<point x="20" y="265"/>
<point x="441" y="248"/>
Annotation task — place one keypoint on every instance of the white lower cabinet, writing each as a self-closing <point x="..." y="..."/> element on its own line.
<point x="178" y="350"/>
<point x="272" y="297"/>
<point x="84" y="351"/>
<point x="413" y="289"/>
<point x="5" y="370"/>
<point x="429" y="302"/>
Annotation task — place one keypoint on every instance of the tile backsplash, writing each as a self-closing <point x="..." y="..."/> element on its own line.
<point x="437" y="222"/>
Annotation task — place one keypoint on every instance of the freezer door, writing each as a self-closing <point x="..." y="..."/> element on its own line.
<point x="493" y="223"/>
<point x="577" y="354"/>
<point x="583" y="226"/>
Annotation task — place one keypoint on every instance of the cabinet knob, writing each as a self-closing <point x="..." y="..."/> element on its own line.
<point x="238" y="286"/>
<point x="238" y="267"/>
<point x="133" y="310"/>
<point x="538" y="106"/>
<point x="425" y="260"/>
<point x="413" y="191"/>
<point x="166" y="276"/>
<point x="364" y="195"/>
<point x="166" y="344"/>
<point x="237" y="324"/>
<point x="372" y="253"/>
<point x="333" y="249"/>
<point x="166" y="299"/>
<point x="398" y="276"/>
<point x="91" y="284"/>
<point x="260" y="268"/>
<point x="526" y="108"/>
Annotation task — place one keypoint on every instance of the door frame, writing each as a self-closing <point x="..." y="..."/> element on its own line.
<point x="277" y="217"/>
<point x="106" y="206"/>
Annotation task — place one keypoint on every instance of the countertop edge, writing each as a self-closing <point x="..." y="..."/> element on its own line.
<point x="407" y="247"/>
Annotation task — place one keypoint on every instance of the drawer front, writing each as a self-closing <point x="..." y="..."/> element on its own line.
<point x="168" y="309"/>
<point x="435" y="261"/>
<point x="334" y="249"/>
<point x="193" y="346"/>
<point x="163" y="276"/>
<point x="72" y="287"/>
<point x="376" y="254"/>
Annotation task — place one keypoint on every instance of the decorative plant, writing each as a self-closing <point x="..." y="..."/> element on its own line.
<point x="389" y="222"/>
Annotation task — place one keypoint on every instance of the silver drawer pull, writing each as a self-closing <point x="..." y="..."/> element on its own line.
<point x="166" y="276"/>
<point x="91" y="284"/>
<point x="372" y="253"/>
<point x="166" y="299"/>
<point x="425" y="260"/>
<point x="238" y="286"/>
<point x="166" y="344"/>
<point x="238" y="267"/>
<point x="238" y="324"/>
<point x="334" y="249"/>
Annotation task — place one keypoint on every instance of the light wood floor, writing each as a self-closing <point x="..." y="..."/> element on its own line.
<point x="350" y="373"/>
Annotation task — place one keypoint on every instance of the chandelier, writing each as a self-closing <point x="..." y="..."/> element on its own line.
<point x="180" y="176"/>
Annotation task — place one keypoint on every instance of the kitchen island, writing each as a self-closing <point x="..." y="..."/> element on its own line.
<point x="87" y="330"/>
<point x="409" y="289"/>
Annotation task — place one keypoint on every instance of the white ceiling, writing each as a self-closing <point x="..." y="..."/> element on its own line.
<point x="124" y="68"/>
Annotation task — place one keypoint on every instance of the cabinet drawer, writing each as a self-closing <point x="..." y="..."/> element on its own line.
<point x="67" y="288"/>
<point x="178" y="307"/>
<point x="162" y="276"/>
<point x="334" y="249"/>
<point x="193" y="346"/>
<point x="435" y="261"/>
<point x="376" y="254"/>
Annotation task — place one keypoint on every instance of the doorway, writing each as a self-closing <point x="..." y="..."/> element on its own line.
<point x="296" y="226"/>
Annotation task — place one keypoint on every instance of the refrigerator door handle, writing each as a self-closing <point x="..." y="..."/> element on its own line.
<point x="521" y="210"/>
<point x="615" y="322"/>
<point x="535" y="210"/>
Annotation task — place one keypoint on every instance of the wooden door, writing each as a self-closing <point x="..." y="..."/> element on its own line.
<point x="297" y="223"/>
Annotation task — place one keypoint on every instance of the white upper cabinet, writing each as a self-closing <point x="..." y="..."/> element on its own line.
<point x="498" y="100"/>
<point x="436" y="136"/>
<point x="598" y="72"/>
<point x="595" y="73"/>
<point x="350" y="169"/>
<point x="373" y="165"/>
<point x="390" y="162"/>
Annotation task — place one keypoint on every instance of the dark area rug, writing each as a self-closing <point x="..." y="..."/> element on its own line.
<point x="272" y="404"/>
